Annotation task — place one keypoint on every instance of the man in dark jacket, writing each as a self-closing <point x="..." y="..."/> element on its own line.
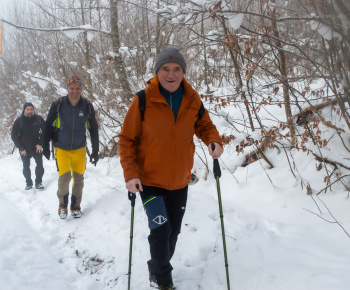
<point x="27" y="135"/>
<point x="66" y="124"/>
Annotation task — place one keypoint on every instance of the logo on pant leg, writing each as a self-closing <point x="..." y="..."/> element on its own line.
<point x="159" y="220"/>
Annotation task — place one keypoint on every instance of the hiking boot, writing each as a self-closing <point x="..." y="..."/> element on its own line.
<point x="28" y="187"/>
<point x="166" y="287"/>
<point x="62" y="211"/>
<point x="153" y="279"/>
<point x="76" y="213"/>
<point x="152" y="276"/>
<point x="39" y="186"/>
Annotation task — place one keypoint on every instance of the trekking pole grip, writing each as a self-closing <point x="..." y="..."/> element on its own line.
<point x="216" y="169"/>
<point x="132" y="196"/>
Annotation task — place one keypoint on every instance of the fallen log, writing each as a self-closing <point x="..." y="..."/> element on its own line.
<point x="304" y="116"/>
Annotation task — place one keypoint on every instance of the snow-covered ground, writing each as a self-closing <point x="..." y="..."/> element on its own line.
<point x="274" y="241"/>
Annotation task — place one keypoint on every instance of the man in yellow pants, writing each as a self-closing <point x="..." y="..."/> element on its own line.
<point x="66" y="124"/>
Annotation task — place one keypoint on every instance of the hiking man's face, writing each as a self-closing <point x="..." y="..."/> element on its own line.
<point x="170" y="76"/>
<point x="29" y="111"/>
<point x="74" y="92"/>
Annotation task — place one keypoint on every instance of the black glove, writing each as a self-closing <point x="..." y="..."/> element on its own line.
<point x="94" y="157"/>
<point x="46" y="152"/>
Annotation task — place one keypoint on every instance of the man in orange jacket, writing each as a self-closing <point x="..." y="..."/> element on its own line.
<point x="157" y="155"/>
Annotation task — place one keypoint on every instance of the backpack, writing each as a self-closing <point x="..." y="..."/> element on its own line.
<point x="142" y="105"/>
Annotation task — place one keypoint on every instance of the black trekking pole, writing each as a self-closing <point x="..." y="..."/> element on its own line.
<point x="217" y="175"/>
<point x="52" y="151"/>
<point x="88" y="151"/>
<point x="132" y="198"/>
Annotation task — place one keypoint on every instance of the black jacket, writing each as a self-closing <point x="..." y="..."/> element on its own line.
<point x="71" y="134"/>
<point x="27" y="132"/>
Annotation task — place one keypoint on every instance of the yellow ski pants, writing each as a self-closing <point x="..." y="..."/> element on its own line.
<point x="70" y="163"/>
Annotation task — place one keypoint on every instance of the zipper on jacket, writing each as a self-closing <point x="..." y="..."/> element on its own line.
<point x="172" y="158"/>
<point x="71" y="145"/>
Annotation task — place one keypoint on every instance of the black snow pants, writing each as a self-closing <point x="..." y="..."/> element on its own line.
<point x="165" y="210"/>
<point x="39" y="169"/>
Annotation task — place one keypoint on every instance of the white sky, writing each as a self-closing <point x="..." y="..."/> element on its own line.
<point x="4" y="4"/>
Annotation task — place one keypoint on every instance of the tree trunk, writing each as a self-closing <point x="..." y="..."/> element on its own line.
<point x="125" y="90"/>
<point x="205" y="56"/>
<point x="158" y="32"/>
<point x="87" y="57"/>
<point x="284" y="74"/>
<point x="239" y="78"/>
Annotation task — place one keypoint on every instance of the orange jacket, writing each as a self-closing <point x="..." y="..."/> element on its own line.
<point x="159" y="150"/>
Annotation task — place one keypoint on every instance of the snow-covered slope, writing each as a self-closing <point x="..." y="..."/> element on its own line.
<point x="274" y="241"/>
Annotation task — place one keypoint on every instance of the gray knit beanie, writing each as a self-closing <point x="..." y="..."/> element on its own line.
<point x="170" y="54"/>
<point x="27" y="104"/>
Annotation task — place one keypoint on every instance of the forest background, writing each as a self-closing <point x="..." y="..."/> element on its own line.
<point x="247" y="59"/>
<point x="274" y="76"/>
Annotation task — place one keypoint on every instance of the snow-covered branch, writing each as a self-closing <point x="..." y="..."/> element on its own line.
<point x="79" y="29"/>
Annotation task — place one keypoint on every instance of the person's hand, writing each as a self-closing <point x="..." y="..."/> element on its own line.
<point x="39" y="149"/>
<point x="23" y="152"/>
<point x="94" y="157"/>
<point x="46" y="152"/>
<point x="217" y="152"/>
<point x="131" y="185"/>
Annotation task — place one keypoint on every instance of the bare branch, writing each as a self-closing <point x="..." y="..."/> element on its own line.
<point x="83" y="28"/>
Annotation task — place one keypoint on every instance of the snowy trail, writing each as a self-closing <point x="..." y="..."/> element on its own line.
<point x="272" y="242"/>
<point x="75" y="243"/>
<point x="27" y="263"/>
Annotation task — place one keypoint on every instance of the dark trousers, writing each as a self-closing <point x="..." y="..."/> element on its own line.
<point x="39" y="169"/>
<point x="165" y="210"/>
